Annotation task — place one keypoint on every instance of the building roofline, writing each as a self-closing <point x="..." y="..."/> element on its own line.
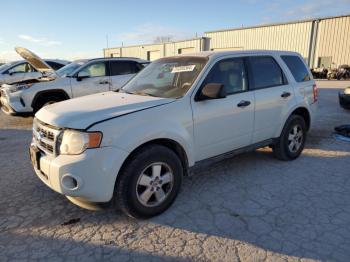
<point x="170" y="42"/>
<point x="276" y="24"/>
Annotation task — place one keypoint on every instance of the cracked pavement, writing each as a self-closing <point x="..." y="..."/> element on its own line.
<point x="248" y="208"/>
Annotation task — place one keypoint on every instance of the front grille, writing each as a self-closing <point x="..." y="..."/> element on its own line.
<point x="45" y="137"/>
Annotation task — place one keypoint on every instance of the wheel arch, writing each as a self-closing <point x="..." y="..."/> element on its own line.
<point x="304" y="113"/>
<point x="173" y="145"/>
<point x="56" y="92"/>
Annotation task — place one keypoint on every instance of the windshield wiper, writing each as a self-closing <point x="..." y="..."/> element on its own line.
<point x="137" y="93"/>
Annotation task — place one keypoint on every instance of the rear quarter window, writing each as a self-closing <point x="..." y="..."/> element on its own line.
<point x="297" y="67"/>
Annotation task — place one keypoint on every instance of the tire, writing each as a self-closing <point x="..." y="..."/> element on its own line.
<point x="283" y="148"/>
<point x="138" y="182"/>
<point x="45" y="101"/>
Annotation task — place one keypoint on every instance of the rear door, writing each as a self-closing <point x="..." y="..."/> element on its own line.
<point x="98" y="80"/>
<point x="222" y="125"/>
<point x="121" y="72"/>
<point x="273" y="96"/>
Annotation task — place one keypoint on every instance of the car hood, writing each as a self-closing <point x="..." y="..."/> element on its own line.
<point x="81" y="113"/>
<point x="34" y="60"/>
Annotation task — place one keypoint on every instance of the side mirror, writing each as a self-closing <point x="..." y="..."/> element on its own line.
<point x="212" y="91"/>
<point x="81" y="75"/>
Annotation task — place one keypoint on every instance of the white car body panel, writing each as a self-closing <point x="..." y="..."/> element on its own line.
<point x="82" y="112"/>
<point x="203" y="129"/>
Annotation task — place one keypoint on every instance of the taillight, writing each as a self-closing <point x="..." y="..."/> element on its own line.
<point x="315" y="92"/>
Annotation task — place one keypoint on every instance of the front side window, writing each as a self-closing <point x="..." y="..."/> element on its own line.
<point x="265" y="72"/>
<point x="297" y="68"/>
<point x="21" y="68"/>
<point x="230" y="73"/>
<point x="95" y="69"/>
<point x="167" y="77"/>
<point x="123" y="68"/>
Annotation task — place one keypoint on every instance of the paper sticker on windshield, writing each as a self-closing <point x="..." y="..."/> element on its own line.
<point x="179" y="69"/>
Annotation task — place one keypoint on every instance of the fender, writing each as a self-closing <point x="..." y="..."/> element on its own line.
<point x="131" y="131"/>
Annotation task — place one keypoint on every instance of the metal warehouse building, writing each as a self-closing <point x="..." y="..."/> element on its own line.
<point x="154" y="51"/>
<point x="321" y="41"/>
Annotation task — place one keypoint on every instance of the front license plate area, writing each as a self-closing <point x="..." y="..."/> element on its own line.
<point x="35" y="154"/>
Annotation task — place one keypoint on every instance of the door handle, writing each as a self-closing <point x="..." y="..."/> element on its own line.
<point x="285" y="94"/>
<point x="243" y="103"/>
<point x="104" y="82"/>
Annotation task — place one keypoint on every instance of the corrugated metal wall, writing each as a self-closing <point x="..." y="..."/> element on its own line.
<point x="333" y="40"/>
<point x="165" y="49"/>
<point x="291" y="37"/>
<point x="173" y="48"/>
<point x="324" y="40"/>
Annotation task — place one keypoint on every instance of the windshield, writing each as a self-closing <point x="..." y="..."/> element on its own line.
<point x="70" y="68"/>
<point x="5" y="66"/>
<point x="168" y="77"/>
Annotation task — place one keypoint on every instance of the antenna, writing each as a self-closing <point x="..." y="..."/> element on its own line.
<point x="107" y="43"/>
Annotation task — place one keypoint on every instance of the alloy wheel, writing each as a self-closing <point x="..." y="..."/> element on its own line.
<point x="154" y="184"/>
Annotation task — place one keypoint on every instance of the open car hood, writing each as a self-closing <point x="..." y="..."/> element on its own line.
<point x="34" y="60"/>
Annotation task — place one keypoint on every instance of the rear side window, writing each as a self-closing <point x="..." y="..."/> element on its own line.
<point x="265" y="72"/>
<point x="297" y="68"/>
<point x="124" y="68"/>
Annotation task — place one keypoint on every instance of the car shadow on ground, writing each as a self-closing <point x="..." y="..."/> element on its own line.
<point x="298" y="208"/>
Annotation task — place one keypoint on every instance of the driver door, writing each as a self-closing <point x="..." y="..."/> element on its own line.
<point x="225" y="124"/>
<point x="96" y="80"/>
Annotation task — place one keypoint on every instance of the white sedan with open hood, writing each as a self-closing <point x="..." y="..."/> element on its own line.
<point x="17" y="71"/>
<point x="79" y="78"/>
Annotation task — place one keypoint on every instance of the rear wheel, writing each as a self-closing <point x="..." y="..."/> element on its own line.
<point x="149" y="182"/>
<point x="292" y="140"/>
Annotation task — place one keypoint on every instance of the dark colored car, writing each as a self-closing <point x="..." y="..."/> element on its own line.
<point x="344" y="98"/>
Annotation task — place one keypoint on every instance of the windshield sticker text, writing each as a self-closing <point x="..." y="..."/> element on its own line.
<point x="179" y="69"/>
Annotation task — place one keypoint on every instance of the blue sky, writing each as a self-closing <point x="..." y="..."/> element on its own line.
<point x="78" y="29"/>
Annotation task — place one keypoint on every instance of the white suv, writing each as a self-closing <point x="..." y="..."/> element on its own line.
<point x="82" y="77"/>
<point x="135" y="145"/>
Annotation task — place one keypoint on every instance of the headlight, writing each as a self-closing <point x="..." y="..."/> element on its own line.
<point x="76" y="142"/>
<point x="19" y="87"/>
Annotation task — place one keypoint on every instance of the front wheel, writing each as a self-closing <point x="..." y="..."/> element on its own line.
<point x="45" y="102"/>
<point x="292" y="140"/>
<point x="149" y="182"/>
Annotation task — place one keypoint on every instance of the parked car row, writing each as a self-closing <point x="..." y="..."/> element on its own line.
<point x="340" y="73"/>
<point x="131" y="148"/>
<point x="79" y="78"/>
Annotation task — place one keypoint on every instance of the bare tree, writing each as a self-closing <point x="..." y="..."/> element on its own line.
<point x="163" y="39"/>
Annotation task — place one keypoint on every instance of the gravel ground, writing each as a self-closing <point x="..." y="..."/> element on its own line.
<point x="248" y="208"/>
